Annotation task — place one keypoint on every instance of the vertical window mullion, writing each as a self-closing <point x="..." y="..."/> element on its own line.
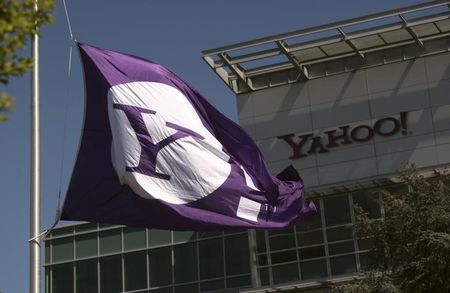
<point x="355" y="238"/>
<point x="324" y="235"/>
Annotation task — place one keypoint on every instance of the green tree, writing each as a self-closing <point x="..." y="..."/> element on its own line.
<point x="18" y="20"/>
<point x="411" y="246"/>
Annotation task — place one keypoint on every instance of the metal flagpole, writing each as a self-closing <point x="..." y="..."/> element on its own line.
<point x="35" y="276"/>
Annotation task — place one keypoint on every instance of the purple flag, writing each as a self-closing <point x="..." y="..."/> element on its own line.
<point x="155" y="153"/>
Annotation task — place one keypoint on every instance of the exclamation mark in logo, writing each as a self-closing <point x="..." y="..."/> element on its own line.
<point x="403" y="118"/>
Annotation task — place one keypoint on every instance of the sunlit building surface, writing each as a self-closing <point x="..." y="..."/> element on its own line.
<point x="347" y="104"/>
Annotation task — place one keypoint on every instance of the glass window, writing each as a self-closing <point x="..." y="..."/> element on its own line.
<point x="185" y="262"/>
<point x="86" y="272"/>
<point x="337" y="210"/>
<point x="311" y="222"/>
<point x="133" y="238"/>
<point x="110" y="241"/>
<point x="310" y="238"/>
<point x="237" y="282"/>
<point x="343" y="264"/>
<point x="183" y="236"/>
<point x="62" y="249"/>
<point x="161" y="290"/>
<point x="111" y="274"/>
<point x="283" y="239"/>
<point x="160" y="266"/>
<point x="62" y="278"/>
<point x="237" y="257"/>
<point x="191" y="288"/>
<point x="312" y="252"/>
<point x="47" y="251"/>
<point x="260" y="241"/>
<point x="339" y="233"/>
<point x="264" y="276"/>
<point x="86" y="245"/>
<point x="369" y="201"/>
<point x="62" y="231"/>
<point x="366" y="259"/>
<point x="86" y="227"/>
<point x="212" y="285"/>
<point x="313" y="269"/>
<point x="211" y="258"/>
<point x="285" y="273"/>
<point x="135" y="266"/>
<point x="158" y="237"/>
<point x="262" y="259"/>
<point x="341" y="247"/>
<point x="203" y="235"/>
<point x="365" y="243"/>
<point x="283" y="256"/>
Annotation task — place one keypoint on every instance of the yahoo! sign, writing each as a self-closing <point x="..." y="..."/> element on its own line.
<point x="305" y="144"/>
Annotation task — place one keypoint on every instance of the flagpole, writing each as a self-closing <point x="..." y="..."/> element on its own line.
<point x="34" y="245"/>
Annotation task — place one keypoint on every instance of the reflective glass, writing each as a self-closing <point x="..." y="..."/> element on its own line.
<point x="339" y="233"/>
<point x="191" y="288"/>
<point x="237" y="257"/>
<point x="111" y="274"/>
<point x="185" y="262"/>
<point x="312" y="252"/>
<point x="283" y="256"/>
<point x="203" y="235"/>
<point x="341" y="247"/>
<point x="262" y="259"/>
<point x="264" y="276"/>
<point x="337" y="210"/>
<point x="161" y="290"/>
<point x="135" y="266"/>
<point x="215" y="285"/>
<point x="242" y="281"/>
<point x="343" y="264"/>
<point x="183" y="236"/>
<point x="86" y="272"/>
<point x="86" y="245"/>
<point x="365" y="243"/>
<point x="285" y="273"/>
<point x="110" y="241"/>
<point x="86" y="227"/>
<point x="313" y="269"/>
<point x="282" y="239"/>
<point x="62" y="231"/>
<point x="47" y="251"/>
<point x="62" y="249"/>
<point x="160" y="266"/>
<point x="310" y="238"/>
<point x="211" y="258"/>
<point x="62" y="278"/>
<point x="260" y="241"/>
<point x="158" y="237"/>
<point x="133" y="238"/>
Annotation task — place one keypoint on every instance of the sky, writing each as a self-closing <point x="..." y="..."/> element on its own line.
<point x="170" y="32"/>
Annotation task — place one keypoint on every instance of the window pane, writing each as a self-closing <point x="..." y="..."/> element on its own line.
<point x="158" y="237"/>
<point x="62" y="231"/>
<point x="262" y="259"/>
<point x="342" y="247"/>
<point x="62" y="278"/>
<point x="185" y="265"/>
<point x="283" y="256"/>
<point x="133" y="238"/>
<point x="285" y="273"/>
<point x="212" y="285"/>
<point x="135" y="270"/>
<point x="365" y="243"/>
<point x="211" y="258"/>
<point x="161" y="290"/>
<point x="313" y="269"/>
<point x="203" y="235"/>
<point x="86" y="245"/>
<point x="86" y="227"/>
<point x="86" y="272"/>
<point x="337" y="210"/>
<point x="339" y="233"/>
<point x="312" y="221"/>
<point x="110" y="241"/>
<point x="183" y="236"/>
<point x="367" y="260"/>
<point x="242" y="281"/>
<point x="193" y="288"/>
<point x="237" y="258"/>
<point x="160" y="261"/>
<point x="261" y="241"/>
<point x="369" y="201"/>
<point x="47" y="251"/>
<point x="111" y="274"/>
<point x="343" y="264"/>
<point x="264" y="276"/>
<point x="62" y="249"/>
<point x="312" y="252"/>
<point x="310" y="238"/>
<point x="282" y="239"/>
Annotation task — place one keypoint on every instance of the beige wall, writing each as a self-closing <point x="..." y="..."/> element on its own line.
<point x="420" y="87"/>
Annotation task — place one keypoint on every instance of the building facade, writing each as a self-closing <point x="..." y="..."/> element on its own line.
<point x="348" y="104"/>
